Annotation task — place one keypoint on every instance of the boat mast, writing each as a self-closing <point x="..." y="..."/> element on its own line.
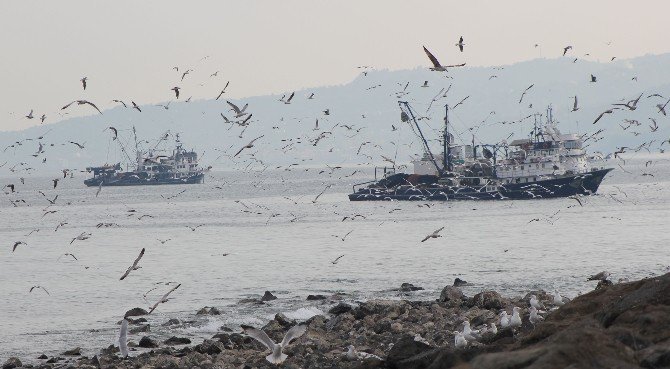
<point x="446" y="150"/>
<point x="407" y="114"/>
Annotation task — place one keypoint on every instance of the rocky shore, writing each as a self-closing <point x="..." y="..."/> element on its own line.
<point x="624" y="325"/>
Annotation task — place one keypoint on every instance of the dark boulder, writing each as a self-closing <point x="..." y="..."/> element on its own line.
<point x="74" y="352"/>
<point x="170" y="322"/>
<point x="177" y="341"/>
<point x="11" y="363"/>
<point x="488" y="300"/>
<point x="209" y="347"/>
<point x="42" y="357"/>
<point x="408" y="287"/>
<point x="268" y="296"/>
<point x="284" y="321"/>
<point x="316" y="297"/>
<point x="340" y="308"/>
<point x="406" y="348"/>
<point x="451" y="294"/>
<point x="208" y="311"/>
<point x="459" y="282"/>
<point x="146" y="342"/>
<point x="135" y="312"/>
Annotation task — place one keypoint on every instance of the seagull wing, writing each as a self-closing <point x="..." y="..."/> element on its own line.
<point x="259" y="336"/>
<point x="93" y="105"/>
<point x="290" y="97"/>
<point x="67" y="106"/>
<point x="130" y="269"/>
<point x="438" y="231"/>
<point x="432" y="58"/>
<point x="164" y="298"/>
<point x="293" y="333"/>
<point x="123" y="338"/>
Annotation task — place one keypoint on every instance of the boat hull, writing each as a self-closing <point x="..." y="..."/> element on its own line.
<point x="582" y="184"/>
<point x="136" y="181"/>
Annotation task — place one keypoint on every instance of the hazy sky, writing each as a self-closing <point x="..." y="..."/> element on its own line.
<point x="127" y="48"/>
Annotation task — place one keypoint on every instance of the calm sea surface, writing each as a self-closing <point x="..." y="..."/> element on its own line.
<point x="286" y="245"/>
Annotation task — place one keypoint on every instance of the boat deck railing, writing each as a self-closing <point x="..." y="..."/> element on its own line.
<point x="384" y="172"/>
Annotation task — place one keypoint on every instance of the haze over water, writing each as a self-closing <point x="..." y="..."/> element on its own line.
<point x="618" y="230"/>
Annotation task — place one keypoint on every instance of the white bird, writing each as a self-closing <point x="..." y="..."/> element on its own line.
<point x="558" y="299"/>
<point x="123" y="338"/>
<point x="134" y="266"/>
<point x="248" y="146"/>
<point x="238" y="112"/>
<point x="515" y="320"/>
<point x="163" y="299"/>
<point x="468" y="333"/>
<point x="276" y="357"/>
<point x="352" y="354"/>
<point x="493" y="329"/>
<point x="534" y="317"/>
<point x="459" y="340"/>
<point x="504" y="320"/>
<point x="535" y="303"/>
<point x="602" y="276"/>
<point x="99" y="189"/>
<point x="433" y="235"/>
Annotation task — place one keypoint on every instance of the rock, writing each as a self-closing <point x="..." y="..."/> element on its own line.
<point x="451" y="294"/>
<point x="147" y="342"/>
<point x="488" y="300"/>
<point x="208" y="311"/>
<point x="405" y="348"/>
<point x="209" y="347"/>
<point x="340" y="308"/>
<point x="604" y="284"/>
<point x="11" y="363"/>
<point x="74" y="352"/>
<point x="141" y="329"/>
<point x="177" y="341"/>
<point x="135" y="321"/>
<point x="459" y="282"/>
<point x="170" y="322"/>
<point x="42" y="357"/>
<point x="408" y="287"/>
<point x="316" y="297"/>
<point x="135" y="312"/>
<point x="268" y="296"/>
<point x="284" y="321"/>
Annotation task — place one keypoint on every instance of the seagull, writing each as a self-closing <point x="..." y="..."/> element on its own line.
<point x="123" y="339"/>
<point x="602" y="276"/>
<point x="534" y="317"/>
<point x="55" y="181"/>
<point x="460" y="44"/>
<point x="163" y="299"/>
<point x="276" y="357"/>
<point x="437" y="67"/>
<point x="184" y="74"/>
<point x="223" y="91"/>
<point x="558" y="299"/>
<point x="565" y="49"/>
<point x="196" y="227"/>
<point x="82" y="237"/>
<point x="99" y="188"/>
<point x="81" y="102"/>
<point x="632" y="104"/>
<point x="535" y="303"/>
<point x="248" y="146"/>
<point x="176" y="91"/>
<point x="326" y="112"/>
<point x="163" y="241"/>
<point x="433" y="235"/>
<point x="78" y="145"/>
<point x="353" y="354"/>
<point x="40" y="287"/>
<point x="610" y="111"/>
<point x="504" y="319"/>
<point x="30" y="115"/>
<point x="661" y="108"/>
<point x="83" y="82"/>
<point x="288" y="101"/>
<point x="322" y="192"/>
<point x="238" y="112"/>
<point x="337" y="260"/>
<point x="459" y="340"/>
<point x="593" y="78"/>
<point x="134" y="266"/>
<point x="524" y="92"/>
<point x="135" y="106"/>
<point x="311" y="96"/>
<point x="575" y="107"/>
<point x="68" y="254"/>
<point x="122" y="103"/>
<point x="515" y="320"/>
<point x="11" y="187"/>
<point x="43" y="117"/>
<point x="342" y="238"/>
<point x="17" y="243"/>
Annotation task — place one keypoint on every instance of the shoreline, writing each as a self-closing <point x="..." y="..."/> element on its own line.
<point x="620" y="325"/>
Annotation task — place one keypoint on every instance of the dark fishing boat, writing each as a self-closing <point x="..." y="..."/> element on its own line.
<point x="151" y="167"/>
<point x="549" y="164"/>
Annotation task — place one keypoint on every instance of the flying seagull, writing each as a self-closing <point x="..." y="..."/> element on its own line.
<point x="248" y="146"/>
<point x="176" y="91"/>
<point x="276" y="357"/>
<point x="337" y="260"/>
<point x="460" y="44"/>
<point x="524" y="92"/>
<point x="81" y="102"/>
<point x="238" y="112"/>
<point x="565" y="49"/>
<point x="574" y="106"/>
<point x="435" y="234"/>
<point x="223" y="91"/>
<point x="83" y="82"/>
<point x="134" y="266"/>
<point x="163" y="299"/>
<point x="116" y="132"/>
<point x="40" y="287"/>
<point x="135" y="106"/>
<point x="593" y="78"/>
<point x="17" y="243"/>
<point x="437" y="67"/>
<point x="30" y="115"/>
<point x="610" y="111"/>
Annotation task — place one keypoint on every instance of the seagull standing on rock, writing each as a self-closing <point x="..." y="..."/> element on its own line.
<point x="459" y="340"/>
<point x="515" y="320"/>
<point x="534" y="316"/>
<point x="276" y="357"/>
<point x="602" y="276"/>
<point x="504" y="320"/>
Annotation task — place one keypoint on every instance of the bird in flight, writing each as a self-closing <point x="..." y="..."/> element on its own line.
<point x="238" y="112"/>
<point x="343" y="237"/>
<point x="524" y="92"/>
<point x="460" y="44"/>
<point x="82" y="102"/>
<point x="437" y="67"/>
<point x="565" y="49"/>
<point x="574" y="106"/>
<point x="39" y="287"/>
<point x="223" y="91"/>
<point x="134" y="266"/>
<point x="193" y="228"/>
<point x="17" y="243"/>
<point x="176" y="91"/>
<point x="30" y="115"/>
<point x="337" y="260"/>
<point x="276" y="357"/>
<point x="248" y="146"/>
<point x="610" y="111"/>
<point x="163" y="298"/>
<point x="83" y="82"/>
<point x="435" y="234"/>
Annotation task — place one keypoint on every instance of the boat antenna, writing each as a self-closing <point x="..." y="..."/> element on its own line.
<point x="407" y="114"/>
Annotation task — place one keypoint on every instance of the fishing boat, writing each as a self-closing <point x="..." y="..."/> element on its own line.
<point x="150" y="167"/>
<point x="548" y="164"/>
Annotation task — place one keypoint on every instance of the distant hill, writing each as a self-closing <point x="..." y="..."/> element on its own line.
<point x="368" y="106"/>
